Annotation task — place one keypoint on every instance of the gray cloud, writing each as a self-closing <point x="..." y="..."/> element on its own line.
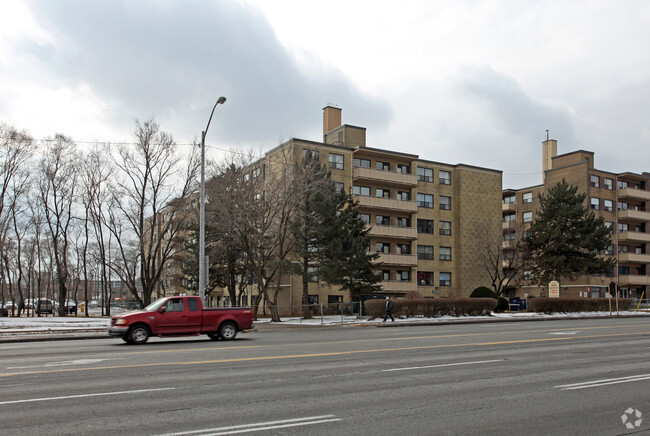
<point x="172" y="60"/>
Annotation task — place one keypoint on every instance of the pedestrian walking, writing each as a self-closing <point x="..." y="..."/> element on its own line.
<point x="389" y="308"/>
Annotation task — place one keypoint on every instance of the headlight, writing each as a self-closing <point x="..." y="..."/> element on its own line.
<point x="120" y="321"/>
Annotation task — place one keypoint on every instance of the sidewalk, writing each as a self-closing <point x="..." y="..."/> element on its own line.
<point x="28" y="329"/>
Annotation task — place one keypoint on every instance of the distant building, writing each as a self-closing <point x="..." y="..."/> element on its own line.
<point x="623" y="199"/>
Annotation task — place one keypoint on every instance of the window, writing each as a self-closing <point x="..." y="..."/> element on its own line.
<point x="338" y="187"/>
<point x="595" y="203"/>
<point x="174" y="305"/>
<point x="361" y="190"/>
<point x="404" y="169"/>
<point x="510" y="199"/>
<point x="445" y="228"/>
<point x="425" y="252"/>
<point x="382" y="220"/>
<point x="621" y="184"/>
<point x="425" y="200"/>
<point x="383" y="166"/>
<point x="403" y="222"/>
<point x="425" y="226"/>
<point x="383" y="247"/>
<point x="445" y="253"/>
<point x="527" y="217"/>
<point x="425" y="278"/>
<point x="444" y="177"/>
<point x="425" y="174"/>
<point x="360" y="163"/>
<point x="403" y="248"/>
<point x="608" y="205"/>
<point x="527" y="197"/>
<point x="383" y="274"/>
<point x="334" y="299"/>
<point x="622" y="227"/>
<point x="510" y="237"/>
<point x="594" y="181"/>
<point x="193" y="304"/>
<point x="528" y="275"/>
<point x="336" y="161"/>
<point x="256" y="173"/>
<point x="404" y="276"/>
<point x="445" y="279"/>
<point x="610" y="250"/>
<point x="623" y="248"/>
<point x="312" y="273"/>
<point x="382" y="193"/>
<point x="609" y="183"/>
<point x="313" y="299"/>
<point x="307" y="153"/>
<point x="509" y="218"/>
<point x="365" y="217"/>
<point x="403" y="195"/>
<point x="445" y="203"/>
<point x="622" y="205"/>
<point x="247" y="177"/>
<point x="609" y="223"/>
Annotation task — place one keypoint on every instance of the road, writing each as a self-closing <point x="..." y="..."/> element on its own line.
<point x="535" y="378"/>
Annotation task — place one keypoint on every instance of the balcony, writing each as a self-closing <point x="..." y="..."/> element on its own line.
<point x="634" y="215"/>
<point x="394" y="232"/>
<point x="398" y="259"/>
<point x="508" y="207"/>
<point x="399" y="286"/>
<point x="390" y="177"/>
<point x="509" y="225"/>
<point x="634" y="194"/>
<point x="625" y="280"/>
<point x="634" y="236"/>
<point x="387" y="204"/>
<point x="633" y="258"/>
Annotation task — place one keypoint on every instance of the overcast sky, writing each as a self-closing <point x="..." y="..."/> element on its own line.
<point x="474" y="82"/>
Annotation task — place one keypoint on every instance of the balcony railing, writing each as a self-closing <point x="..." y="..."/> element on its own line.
<point x="633" y="280"/>
<point x="634" y="215"/>
<point x="633" y="258"/>
<point x="394" y="232"/>
<point x="399" y="286"/>
<point x="387" y="203"/>
<point x="391" y="177"/>
<point x="634" y="194"/>
<point x="634" y="236"/>
<point x="398" y="259"/>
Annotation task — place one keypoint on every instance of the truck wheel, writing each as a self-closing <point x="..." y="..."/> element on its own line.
<point x="127" y="340"/>
<point x="227" y="331"/>
<point x="213" y="336"/>
<point x="138" y="334"/>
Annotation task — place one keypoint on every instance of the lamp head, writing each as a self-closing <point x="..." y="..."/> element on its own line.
<point x="221" y="100"/>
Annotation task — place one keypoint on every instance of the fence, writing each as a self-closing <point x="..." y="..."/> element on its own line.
<point x="323" y="311"/>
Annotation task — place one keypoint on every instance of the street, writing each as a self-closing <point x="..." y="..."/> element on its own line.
<point x="535" y="378"/>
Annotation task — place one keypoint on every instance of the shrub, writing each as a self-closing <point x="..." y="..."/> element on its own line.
<point x="483" y="292"/>
<point x="431" y="308"/>
<point x="565" y="305"/>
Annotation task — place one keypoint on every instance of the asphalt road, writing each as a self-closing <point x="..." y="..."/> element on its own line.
<point x="573" y="377"/>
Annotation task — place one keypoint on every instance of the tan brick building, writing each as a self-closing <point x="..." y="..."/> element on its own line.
<point x="623" y="199"/>
<point x="421" y="213"/>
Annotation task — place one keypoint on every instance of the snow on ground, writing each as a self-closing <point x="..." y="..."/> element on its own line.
<point x="13" y="325"/>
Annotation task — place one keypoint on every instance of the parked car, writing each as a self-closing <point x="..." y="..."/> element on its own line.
<point x="180" y="316"/>
<point x="70" y="307"/>
<point x="44" y="306"/>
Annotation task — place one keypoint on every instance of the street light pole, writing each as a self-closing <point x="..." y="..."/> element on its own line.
<point x="202" y="265"/>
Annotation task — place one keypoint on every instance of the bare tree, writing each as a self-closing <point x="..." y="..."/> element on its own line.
<point x="57" y="190"/>
<point x="153" y="188"/>
<point x="500" y="259"/>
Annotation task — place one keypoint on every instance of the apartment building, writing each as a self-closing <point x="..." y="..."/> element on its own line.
<point x="420" y="212"/>
<point x="623" y="199"/>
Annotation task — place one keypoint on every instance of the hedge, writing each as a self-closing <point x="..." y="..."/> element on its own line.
<point x="431" y="308"/>
<point x="564" y="305"/>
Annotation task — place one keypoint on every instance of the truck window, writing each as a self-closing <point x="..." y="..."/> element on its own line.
<point x="193" y="304"/>
<point x="175" y="305"/>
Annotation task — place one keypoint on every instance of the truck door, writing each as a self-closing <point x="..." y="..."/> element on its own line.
<point x="194" y="314"/>
<point x="174" y="319"/>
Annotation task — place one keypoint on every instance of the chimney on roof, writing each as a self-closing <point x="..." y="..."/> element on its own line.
<point x="549" y="151"/>
<point x="331" y="118"/>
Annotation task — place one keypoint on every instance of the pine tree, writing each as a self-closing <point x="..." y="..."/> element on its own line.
<point x="565" y="239"/>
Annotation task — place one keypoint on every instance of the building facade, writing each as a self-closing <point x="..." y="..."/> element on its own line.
<point x="623" y="199"/>
<point x="420" y="212"/>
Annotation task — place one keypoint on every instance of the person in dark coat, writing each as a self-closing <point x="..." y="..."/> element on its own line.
<point x="389" y="308"/>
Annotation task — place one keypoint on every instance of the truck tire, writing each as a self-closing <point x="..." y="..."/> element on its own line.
<point x="138" y="334"/>
<point x="227" y="331"/>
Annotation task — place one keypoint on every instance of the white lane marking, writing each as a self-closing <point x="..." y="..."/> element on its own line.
<point x="259" y="426"/>
<point x="64" y="363"/>
<point x="604" y="382"/>
<point x="98" y="394"/>
<point x="443" y="364"/>
<point x="565" y="333"/>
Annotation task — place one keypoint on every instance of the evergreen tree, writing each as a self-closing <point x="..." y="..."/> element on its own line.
<point x="346" y="259"/>
<point x="565" y="239"/>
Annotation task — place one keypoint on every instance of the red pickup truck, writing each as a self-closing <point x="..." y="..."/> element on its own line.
<point x="180" y="316"/>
